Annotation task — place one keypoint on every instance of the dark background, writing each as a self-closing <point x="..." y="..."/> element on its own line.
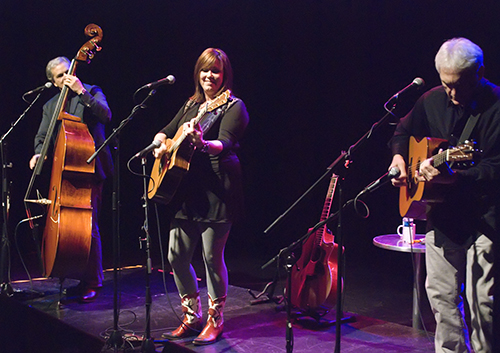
<point x="314" y="76"/>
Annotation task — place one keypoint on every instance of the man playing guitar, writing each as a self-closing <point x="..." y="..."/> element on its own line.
<point x="462" y="227"/>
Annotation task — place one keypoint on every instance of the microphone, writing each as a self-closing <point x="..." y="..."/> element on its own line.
<point x="391" y="174"/>
<point x="416" y="84"/>
<point x="152" y="146"/>
<point x="169" y="80"/>
<point x="39" y="89"/>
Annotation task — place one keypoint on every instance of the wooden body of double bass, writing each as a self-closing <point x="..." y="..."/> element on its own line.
<point x="68" y="229"/>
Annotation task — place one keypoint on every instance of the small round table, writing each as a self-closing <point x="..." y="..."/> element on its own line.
<point x="395" y="243"/>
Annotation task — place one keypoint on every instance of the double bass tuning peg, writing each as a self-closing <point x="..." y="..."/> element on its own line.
<point x="95" y="43"/>
<point x="88" y="54"/>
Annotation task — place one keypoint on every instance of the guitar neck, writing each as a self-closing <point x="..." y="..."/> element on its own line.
<point x="327" y="207"/>
<point x="437" y="160"/>
<point x="219" y="101"/>
<point x="440" y="158"/>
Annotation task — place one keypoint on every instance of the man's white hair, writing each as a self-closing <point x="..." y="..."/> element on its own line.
<point x="459" y="54"/>
<point x="53" y="63"/>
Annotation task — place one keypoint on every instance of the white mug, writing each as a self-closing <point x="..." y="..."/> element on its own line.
<point x="407" y="230"/>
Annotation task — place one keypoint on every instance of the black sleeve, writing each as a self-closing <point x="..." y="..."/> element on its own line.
<point x="233" y="125"/>
<point x="95" y="100"/>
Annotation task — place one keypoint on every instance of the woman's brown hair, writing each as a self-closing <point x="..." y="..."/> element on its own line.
<point x="207" y="61"/>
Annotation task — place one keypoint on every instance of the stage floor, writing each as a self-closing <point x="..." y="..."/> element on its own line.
<point x="41" y="324"/>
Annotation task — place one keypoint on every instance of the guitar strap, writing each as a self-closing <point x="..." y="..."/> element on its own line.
<point x="209" y="119"/>
<point x="188" y="105"/>
<point x="469" y="126"/>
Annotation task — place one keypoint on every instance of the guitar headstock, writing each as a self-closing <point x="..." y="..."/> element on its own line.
<point x="220" y="100"/>
<point x="465" y="152"/>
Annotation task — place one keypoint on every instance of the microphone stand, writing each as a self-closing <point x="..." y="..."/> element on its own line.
<point x="6" y="287"/>
<point x="148" y="342"/>
<point x="344" y="157"/>
<point x="115" y="342"/>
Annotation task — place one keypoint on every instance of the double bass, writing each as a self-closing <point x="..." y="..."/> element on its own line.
<point x="314" y="275"/>
<point x="68" y="226"/>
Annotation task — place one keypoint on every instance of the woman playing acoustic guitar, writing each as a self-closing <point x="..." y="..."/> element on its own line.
<point x="208" y="198"/>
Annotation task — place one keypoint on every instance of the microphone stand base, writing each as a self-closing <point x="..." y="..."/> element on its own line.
<point x="115" y="343"/>
<point x="7" y="290"/>
<point x="148" y="346"/>
<point x="319" y="321"/>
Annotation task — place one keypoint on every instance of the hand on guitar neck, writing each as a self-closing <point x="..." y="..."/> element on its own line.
<point x="428" y="173"/>
<point x="425" y="173"/>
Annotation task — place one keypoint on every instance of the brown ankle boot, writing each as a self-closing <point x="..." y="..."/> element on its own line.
<point x="215" y="322"/>
<point x="191" y="325"/>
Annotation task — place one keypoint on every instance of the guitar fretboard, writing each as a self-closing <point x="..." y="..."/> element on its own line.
<point x="462" y="152"/>
<point x="326" y="208"/>
<point x="220" y="100"/>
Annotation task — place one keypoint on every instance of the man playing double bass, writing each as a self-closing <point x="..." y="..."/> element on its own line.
<point x="89" y="103"/>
